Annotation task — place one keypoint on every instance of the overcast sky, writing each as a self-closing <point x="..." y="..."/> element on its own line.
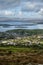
<point x="21" y="8"/>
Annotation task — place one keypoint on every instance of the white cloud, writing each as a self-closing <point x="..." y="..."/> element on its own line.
<point x="20" y="13"/>
<point x="6" y="13"/>
<point x="9" y="13"/>
<point x="41" y="11"/>
<point x="30" y="5"/>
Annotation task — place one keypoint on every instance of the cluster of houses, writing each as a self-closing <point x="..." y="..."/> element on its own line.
<point x="11" y="42"/>
<point x="7" y="42"/>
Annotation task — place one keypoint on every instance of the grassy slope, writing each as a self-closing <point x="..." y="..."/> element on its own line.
<point x="11" y="55"/>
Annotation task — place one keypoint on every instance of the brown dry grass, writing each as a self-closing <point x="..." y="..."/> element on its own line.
<point x="21" y="58"/>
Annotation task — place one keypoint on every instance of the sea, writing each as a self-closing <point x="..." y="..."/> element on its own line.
<point x="5" y="26"/>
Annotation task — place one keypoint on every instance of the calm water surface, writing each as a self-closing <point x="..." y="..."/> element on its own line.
<point x="4" y="26"/>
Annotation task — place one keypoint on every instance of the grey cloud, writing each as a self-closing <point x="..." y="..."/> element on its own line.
<point x="32" y="7"/>
<point x="38" y="4"/>
<point x="34" y="0"/>
<point x="4" y="4"/>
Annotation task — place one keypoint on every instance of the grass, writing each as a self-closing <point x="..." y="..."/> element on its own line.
<point x="15" y="55"/>
<point x="20" y="49"/>
<point x="15" y="49"/>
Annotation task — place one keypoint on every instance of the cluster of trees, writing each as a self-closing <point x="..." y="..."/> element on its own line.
<point x="19" y="32"/>
<point x="35" y="46"/>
